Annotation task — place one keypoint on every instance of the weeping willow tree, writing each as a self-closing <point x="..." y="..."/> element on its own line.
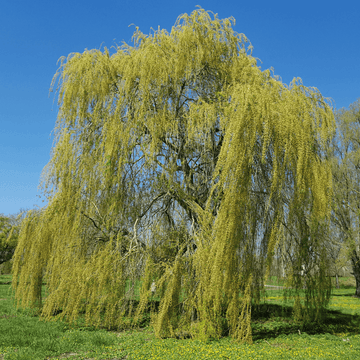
<point x="168" y="154"/>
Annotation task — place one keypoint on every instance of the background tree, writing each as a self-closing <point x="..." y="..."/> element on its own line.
<point x="339" y="253"/>
<point x="6" y="250"/>
<point x="9" y="234"/>
<point x="169" y="154"/>
<point x="345" y="153"/>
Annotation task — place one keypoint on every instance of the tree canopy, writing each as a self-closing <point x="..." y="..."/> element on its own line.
<point x="170" y="153"/>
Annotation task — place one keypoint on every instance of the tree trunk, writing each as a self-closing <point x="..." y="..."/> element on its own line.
<point x="337" y="281"/>
<point x="356" y="271"/>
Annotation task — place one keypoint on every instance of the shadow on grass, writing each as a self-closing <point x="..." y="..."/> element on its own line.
<point x="269" y="320"/>
<point x="272" y="320"/>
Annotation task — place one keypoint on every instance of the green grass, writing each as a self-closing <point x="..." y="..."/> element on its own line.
<point x="276" y="335"/>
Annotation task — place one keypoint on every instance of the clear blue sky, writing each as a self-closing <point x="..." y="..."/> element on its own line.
<point x="313" y="40"/>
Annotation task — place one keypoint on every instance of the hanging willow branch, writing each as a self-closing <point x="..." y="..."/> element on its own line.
<point x="183" y="123"/>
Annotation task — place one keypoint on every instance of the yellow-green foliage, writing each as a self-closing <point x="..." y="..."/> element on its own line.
<point x="176" y="91"/>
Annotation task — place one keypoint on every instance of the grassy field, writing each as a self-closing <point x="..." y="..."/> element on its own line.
<point x="276" y="335"/>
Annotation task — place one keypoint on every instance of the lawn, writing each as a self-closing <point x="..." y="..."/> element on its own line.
<point x="275" y="334"/>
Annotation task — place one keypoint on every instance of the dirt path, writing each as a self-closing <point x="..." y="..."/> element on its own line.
<point x="274" y="287"/>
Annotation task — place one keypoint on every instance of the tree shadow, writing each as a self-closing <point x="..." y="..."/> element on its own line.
<point x="269" y="320"/>
<point x="273" y="320"/>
